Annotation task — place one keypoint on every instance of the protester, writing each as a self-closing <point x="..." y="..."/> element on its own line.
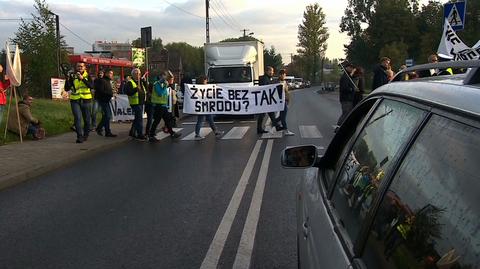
<point x="104" y="94"/>
<point x="265" y="80"/>
<point x="432" y="58"/>
<point x="283" y="114"/>
<point x="162" y="102"/>
<point x="201" y="118"/>
<point x="126" y="79"/>
<point x="149" y="109"/>
<point x="135" y="89"/>
<point x="95" y="105"/>
<point x="28" y="124"/>
<point x="80" y="86"/>
<point x="347" y="91"/>
<point x="4" y="84"/>
<point x="380" y="76"/>
<point x="390" y="74"/>
<point x="359" y="80"/>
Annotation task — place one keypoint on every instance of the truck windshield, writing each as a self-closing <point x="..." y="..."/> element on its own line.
<point x="230" y="74"/>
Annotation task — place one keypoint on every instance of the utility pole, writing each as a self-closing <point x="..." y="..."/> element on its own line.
<point x="244" y="32"/>
<point x="57" y="29"/>
<point x="207" y="22"/>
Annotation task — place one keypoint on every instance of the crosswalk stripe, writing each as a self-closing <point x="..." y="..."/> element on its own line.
<point x="309" y="131"/>
<point x="271" y="135"/>
<point x="203" y="132"/>
<point x="162" y="135"/>
<point x="236" y="133"/>
<point x="216" y="122"/>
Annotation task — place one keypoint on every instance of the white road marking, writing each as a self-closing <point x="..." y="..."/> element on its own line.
<point x="273" y="134"/>
<point x="236" y="133"/>
<point x="203" y="132"/>
<point x="245" y="248"/>
<point x="309" y="131"/>
<point x="162" y="135"/>
<point x="216" y="247"/>
<point x="248" y="121"/>
<point x="216" y="122"/>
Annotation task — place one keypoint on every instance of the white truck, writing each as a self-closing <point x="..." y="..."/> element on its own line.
<point x="234" y="63"/>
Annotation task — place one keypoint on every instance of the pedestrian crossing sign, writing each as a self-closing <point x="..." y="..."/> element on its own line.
<point x="455" y="14"/>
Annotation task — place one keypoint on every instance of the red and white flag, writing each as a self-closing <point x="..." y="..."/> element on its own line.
<point x="14" y="68"/>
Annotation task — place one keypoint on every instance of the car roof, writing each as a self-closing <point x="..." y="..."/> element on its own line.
<point x="444" y="91"/>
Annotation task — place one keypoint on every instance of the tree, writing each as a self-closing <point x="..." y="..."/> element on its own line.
<point x="192" y="57"/>
<point x="241" y="38"/>
<point x="37" y="40"/>
<point x="397" y="52"/>
<point x="157" y="44"/>
<point x="312" y="39"/>
<point x="272" y="58"/>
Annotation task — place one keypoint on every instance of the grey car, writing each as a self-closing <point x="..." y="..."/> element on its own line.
<point x="399" y="184"/>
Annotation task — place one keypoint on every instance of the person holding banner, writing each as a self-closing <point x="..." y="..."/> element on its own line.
<point x="80" y="86"/>
<point x="136" y="89"/>
<point x="4" y="84"/>
<point x="162" y="101"/>
<point x="201" y="118"/>
<point x="265" y="80"/>
<point x="283" y="114"/>
<point x="103" y="94"/>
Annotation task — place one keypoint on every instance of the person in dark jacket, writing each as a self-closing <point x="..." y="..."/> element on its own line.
<point x="95" y="104"/>
<point x="380" y="76"/>
<point x="347" y="91"/>
<point x="359" y="80"/>
<point x="103" y="94"/>
<point x="265" y="80"/>
<point x="136" y="89"/>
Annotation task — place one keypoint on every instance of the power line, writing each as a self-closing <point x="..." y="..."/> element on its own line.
<point x="188" y="12"/>
<point x="221" y="17"/>
<point x="19" y="19"/>
<point x="221" y="8"/>
<point x="224" y="8"/>
<point x="79" y="37"/>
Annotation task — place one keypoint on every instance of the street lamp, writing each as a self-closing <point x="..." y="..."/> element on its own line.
<point x="57" y="28"/>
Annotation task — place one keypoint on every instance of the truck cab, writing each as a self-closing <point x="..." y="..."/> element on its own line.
<point x="234" y="63"/>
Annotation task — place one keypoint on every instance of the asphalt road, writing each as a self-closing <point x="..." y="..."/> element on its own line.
<point x="172" y="204"/>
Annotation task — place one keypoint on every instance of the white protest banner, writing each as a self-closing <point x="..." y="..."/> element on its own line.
<point x="14" y="68"/>
<point x="452" y="47"/>
<point x="57" y="85"/>
<point x="121" y="108"/>
<point x="215" y="99"/>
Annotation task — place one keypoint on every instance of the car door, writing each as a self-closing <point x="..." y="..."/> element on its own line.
<point x="334" y="218"/>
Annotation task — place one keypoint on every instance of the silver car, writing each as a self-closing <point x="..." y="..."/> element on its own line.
<point x="398" y="186"/>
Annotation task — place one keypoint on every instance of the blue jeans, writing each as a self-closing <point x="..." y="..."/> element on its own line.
<point x="32" y="129"/>
<point x="106" y="117"/>
<point x="137" y="124"/>
<point x="81" y="109"/>
<point x="95" y="109"/>
<point x="200" y="119"/>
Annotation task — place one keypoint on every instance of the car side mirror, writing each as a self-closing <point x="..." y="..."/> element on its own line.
<point x="299" y="156"/>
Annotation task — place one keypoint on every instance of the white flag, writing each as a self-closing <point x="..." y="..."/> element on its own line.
<point x="452" y="47"/>
<point x="14" y="69"/>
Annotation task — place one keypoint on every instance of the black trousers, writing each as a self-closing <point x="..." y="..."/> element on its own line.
<point x="161" y="112"/>
<point x="261" y="117"/>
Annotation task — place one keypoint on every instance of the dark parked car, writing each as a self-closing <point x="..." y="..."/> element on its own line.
<point x="399" y="185"/>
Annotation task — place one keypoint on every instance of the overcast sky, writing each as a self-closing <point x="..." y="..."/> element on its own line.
<point x="273" y="21"/>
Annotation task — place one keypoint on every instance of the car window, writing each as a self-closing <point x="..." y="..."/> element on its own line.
<point x="429" y="218"/>
<point x="370" y="159"/>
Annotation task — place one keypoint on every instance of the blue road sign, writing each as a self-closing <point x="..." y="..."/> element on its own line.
<point x="455" y="14"/>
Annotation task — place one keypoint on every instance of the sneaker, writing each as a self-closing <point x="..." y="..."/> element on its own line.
<point x="288" y="133"/>
<point x="279" y="128"/>
<point x="199" y="137"/>
<point x="153" y="139"/>
<point x="110" y="135"/>
<point x="261" y="132"/>
<point x="99" y="132"/>
<point x="79" y="140"/>
<point x="85" y="138"/>
<point x="141" y="138"/>
<point x="219" y="133"/>
<point x="175" y="135"/>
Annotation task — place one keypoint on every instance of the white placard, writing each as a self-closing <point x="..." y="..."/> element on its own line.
<point x="217" y="99"/>
<point x="58" y="85"/>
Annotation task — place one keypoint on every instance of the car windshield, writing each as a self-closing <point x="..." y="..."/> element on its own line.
<point x="230" y="74"/>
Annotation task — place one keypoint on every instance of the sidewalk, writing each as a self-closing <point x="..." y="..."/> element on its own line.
<point x="20" y="162"/>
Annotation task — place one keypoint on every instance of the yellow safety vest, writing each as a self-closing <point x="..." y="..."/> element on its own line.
<point x="133" y="100"/>
<point x="159" y="99"/>
<point x="82" y="91"/>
